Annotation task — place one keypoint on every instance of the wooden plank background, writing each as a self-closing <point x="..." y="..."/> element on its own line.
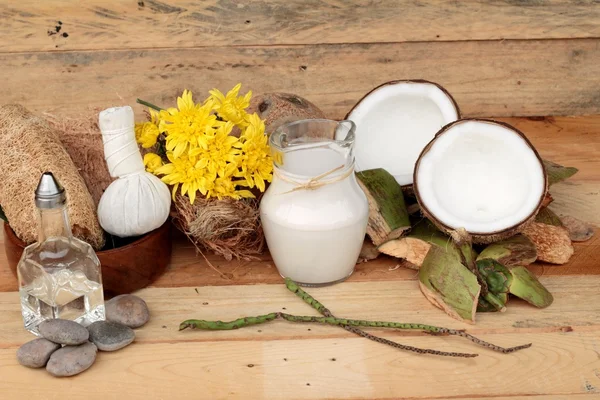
<point x="498" y="58"/>
<point x="124" y="24"/>
<point x="538" y="60"/>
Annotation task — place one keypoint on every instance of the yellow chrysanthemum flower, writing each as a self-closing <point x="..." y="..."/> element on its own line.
<point x="152" y="162"/>
<point x="230" y="107"/>
<point x="189" y="172"/>
<point x="189" y="126"/>
<point x="203" y="157"/>
<point x="225" y="186"/>
<point x="146" y="133"/>
<point x="221" y="150"/>
<point x="256" y="165"/>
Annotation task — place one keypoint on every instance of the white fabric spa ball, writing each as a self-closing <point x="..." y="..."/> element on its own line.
<point x="137" y="202"/>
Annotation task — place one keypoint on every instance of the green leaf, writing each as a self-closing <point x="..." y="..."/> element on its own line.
<point x="426" y="231"/>
<point x="3" y="216"/>
<point x="558" y="173"/>
<point x="449" y="285"/>
<point x="518" y="250"/>
<point x="485" y="306"/>
<point x="548" y="217"/>
<point x="526" y="286"/>
<point x="496" y="275"/>
<point x="388" y="218"/>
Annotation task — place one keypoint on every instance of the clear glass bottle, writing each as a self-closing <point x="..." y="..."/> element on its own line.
<point x="59" y="275"/>
<point x="314" y="214"/>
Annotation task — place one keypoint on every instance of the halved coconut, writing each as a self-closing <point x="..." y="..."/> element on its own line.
<point x="480" y="175"/>
<point x="395" y="121"/>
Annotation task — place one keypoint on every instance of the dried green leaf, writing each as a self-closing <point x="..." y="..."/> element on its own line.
<point x="485" y="306"/>
<point x="449" y="285"/>
<point x="558" y="173"/>
<point x="548" y="217"/>
<point x="496" y="275"/>
<point x="579" y="231"/>
<point x="526" y="286"/>
<point x="517" y="250"/>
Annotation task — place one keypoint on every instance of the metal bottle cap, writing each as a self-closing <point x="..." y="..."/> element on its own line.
<point x="49" y="193"/>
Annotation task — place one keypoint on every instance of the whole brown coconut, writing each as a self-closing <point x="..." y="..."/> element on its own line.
<point x="280" y="108"/>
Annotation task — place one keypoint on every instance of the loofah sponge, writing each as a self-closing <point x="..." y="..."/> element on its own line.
<point x="29" y="148"/>
<point x="82" y="139"/>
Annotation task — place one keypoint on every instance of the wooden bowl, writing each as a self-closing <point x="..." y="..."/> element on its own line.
<point x="124" y="269"/>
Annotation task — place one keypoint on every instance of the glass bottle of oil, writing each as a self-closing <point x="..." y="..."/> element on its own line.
<point x="59" y="275"/>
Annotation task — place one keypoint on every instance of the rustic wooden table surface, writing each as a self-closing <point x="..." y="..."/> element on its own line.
<point x="511" y="60"/>
<point x="282" y="360"/>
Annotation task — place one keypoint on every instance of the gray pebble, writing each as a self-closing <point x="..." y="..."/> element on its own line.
<point x="72" y="360"/>
<point x="128" y="310"/>
<point x="35" y="354"/>
<point x="63" y="331"/>
<point x="110" y="336"/>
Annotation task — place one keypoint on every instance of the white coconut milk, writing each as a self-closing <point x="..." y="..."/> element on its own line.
<point x="314" y="236"/>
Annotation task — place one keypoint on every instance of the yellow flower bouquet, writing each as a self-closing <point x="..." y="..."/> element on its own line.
<point x="216" y="158"/>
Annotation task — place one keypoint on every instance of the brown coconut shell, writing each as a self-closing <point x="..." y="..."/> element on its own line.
<point x="481" y="238"/>
<point x="548" y="199"/>
<point x="552" y="242"/>
<point x="551" y="238"/>
<point x="277" y="109"/>
<point x="413" y="250"/>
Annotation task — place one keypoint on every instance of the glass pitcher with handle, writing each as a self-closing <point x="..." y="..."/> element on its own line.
<point x="314" y="214"/>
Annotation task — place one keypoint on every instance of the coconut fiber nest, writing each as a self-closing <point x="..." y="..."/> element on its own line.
<point x="227" y="227"/>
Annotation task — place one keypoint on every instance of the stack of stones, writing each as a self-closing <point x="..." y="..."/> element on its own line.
<point x="66" y="348"/>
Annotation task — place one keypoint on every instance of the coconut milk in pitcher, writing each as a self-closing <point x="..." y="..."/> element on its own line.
<point x="314" y="213"/>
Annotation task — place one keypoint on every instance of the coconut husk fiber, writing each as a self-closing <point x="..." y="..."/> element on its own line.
<point x="30" y="147"/>
<point x="82" y="139"/>
<point x="227" y="227"/>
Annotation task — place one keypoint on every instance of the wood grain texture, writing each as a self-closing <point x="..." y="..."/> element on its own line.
<point x="576" y="309"/>
<point x="571" y="141"/>
<point x="281" y="360"/>
<point x="121" y="24"/>
<point x="303" y="369"/>
<point x="502" y="78"/>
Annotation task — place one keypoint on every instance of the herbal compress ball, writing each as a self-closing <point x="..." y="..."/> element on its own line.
<point x="137" y="202"/>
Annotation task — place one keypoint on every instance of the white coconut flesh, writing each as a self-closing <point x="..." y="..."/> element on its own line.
<point x="480" y="176"/>
<point x="394" y="123"/>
